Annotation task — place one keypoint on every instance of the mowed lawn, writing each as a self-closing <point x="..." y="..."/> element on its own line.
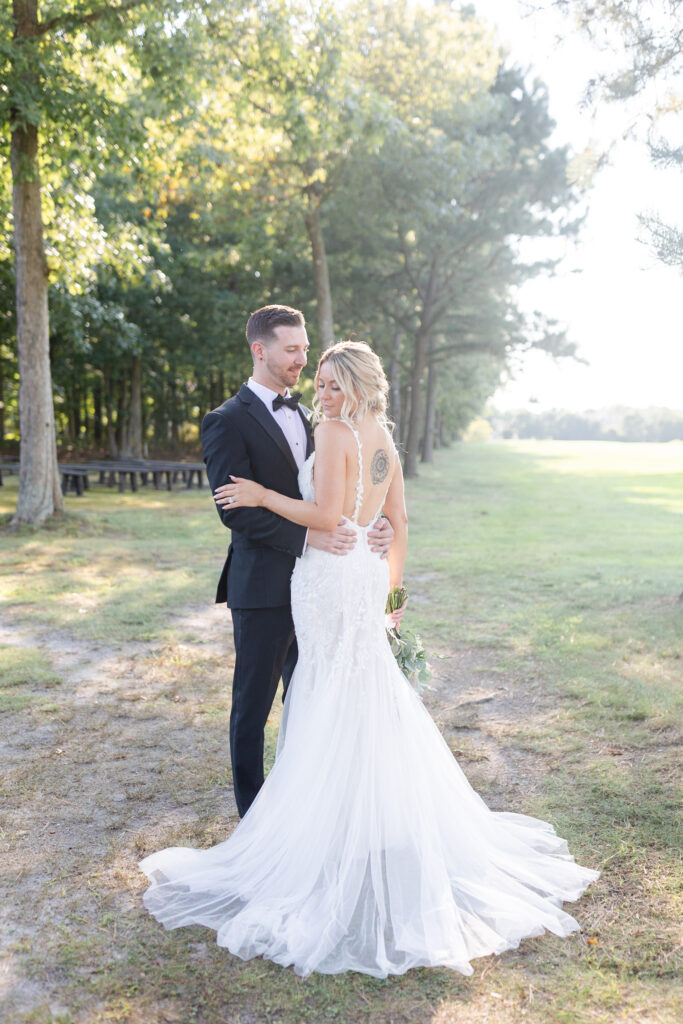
<point x="546" y="579"/>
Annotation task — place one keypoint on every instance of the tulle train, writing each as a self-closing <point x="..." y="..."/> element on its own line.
<point x="367" y="849"/>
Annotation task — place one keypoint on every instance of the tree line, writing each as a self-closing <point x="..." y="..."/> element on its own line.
<point x="616" y="424"/>
<point x="175" y="165"/>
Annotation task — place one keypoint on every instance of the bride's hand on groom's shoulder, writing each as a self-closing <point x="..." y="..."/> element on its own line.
<point x="381" y="536"/>
<point x="241" y="493"/>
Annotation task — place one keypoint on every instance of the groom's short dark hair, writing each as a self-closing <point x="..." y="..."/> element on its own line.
<point x="261" y="324"/>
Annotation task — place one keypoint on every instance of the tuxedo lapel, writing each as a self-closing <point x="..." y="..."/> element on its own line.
<point x="305" y="416"/>
<point x="258" y="410"/>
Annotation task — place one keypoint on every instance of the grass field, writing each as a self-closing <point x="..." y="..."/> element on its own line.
<point x="546" y="579"/>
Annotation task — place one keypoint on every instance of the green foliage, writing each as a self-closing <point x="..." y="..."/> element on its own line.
<point x="406" y="646"/>
<point x="184" y="145"/>
<point x="424" y="228"/>
<point x="411" y="657"/>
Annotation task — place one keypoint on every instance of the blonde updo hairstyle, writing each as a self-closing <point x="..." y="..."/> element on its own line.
<point x="360" y="375"/>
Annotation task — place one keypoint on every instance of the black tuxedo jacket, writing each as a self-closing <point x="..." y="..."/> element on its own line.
<point x="242" y="438"/>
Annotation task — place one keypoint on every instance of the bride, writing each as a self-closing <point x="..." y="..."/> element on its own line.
<point x="366" y="848"/>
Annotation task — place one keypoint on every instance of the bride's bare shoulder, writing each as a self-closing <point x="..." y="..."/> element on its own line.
<point x="334" y="432"/>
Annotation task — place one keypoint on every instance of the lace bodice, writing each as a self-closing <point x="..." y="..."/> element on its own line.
<point x="358" y="584"/>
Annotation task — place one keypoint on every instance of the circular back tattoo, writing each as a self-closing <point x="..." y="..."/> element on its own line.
<point x="379" y="467"/>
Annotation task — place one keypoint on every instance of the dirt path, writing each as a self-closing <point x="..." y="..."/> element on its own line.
<point x="129" y="753"/>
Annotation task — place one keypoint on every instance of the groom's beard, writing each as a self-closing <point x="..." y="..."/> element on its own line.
<point x="286" y="377"/>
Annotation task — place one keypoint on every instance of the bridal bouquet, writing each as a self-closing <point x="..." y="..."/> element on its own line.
<point x="406" y="646"/>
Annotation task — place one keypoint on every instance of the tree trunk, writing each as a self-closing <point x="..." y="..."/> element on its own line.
<point x="202" y="399"/>
<point x="430" y="407"/>
<point x="67" y="410"/>
<point x="85" y="412"/>
<point x="321" y="275"/>
<point x="174" y="411"/>
<point x="422" y="342"/>
<point x="415" y="420"/>
<point x="122" y="438"/>
<point x="395" y="388"/>
<point x="2" y="407"/>
<point x="40" y="494"/>
<point x="97" y="411"/>
<point x="405" y="415"/>
<point x="112" y="446"/>
<point x="145" y="430"/>
<point x="76" y="413"/>
<point x="159" y="421"/>
<point x="135" y="420"/>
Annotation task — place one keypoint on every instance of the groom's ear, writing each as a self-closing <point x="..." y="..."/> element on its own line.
<point x="257" y="349"/>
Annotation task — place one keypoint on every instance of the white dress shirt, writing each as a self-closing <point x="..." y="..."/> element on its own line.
<point x="288" y="420"/>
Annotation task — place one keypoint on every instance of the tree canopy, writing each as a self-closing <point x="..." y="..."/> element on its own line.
<point x="645" y="41"/>
<point x="377" y="166"/>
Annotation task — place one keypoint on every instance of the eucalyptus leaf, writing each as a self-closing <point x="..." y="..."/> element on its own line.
<point x="411" y="657"/>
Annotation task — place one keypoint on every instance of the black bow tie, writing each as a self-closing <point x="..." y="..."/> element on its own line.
<point x="292" y="402"/>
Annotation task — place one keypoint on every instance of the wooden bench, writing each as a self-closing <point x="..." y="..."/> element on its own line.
<point x="74" y="477"/>
<point x="8" y="465"/>
<point x="121" y="473"/>
<point x="125" y="472"/>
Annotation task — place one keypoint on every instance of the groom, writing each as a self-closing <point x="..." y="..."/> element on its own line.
<point x="263" y="434"/>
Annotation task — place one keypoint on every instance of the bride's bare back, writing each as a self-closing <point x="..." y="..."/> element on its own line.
<point x="378" y="457"/>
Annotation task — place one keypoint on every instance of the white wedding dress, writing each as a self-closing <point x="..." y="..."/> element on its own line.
<point x="366" y="848"/>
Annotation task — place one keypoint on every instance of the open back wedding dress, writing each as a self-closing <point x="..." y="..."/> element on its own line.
<point x="366" y="848"/>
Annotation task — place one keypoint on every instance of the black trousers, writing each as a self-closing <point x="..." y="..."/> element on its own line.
<point x="265" y="650"/>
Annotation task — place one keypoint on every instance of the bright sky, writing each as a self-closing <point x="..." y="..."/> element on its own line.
<point x="621" y="306"/>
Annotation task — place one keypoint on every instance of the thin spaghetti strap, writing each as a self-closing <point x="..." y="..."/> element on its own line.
<point x="359" y="482"/>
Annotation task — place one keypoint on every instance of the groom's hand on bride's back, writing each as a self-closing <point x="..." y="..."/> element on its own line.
<point x="381" y="536"/>
<point x="342" y="539"/>
<point x="337" y="542"/>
